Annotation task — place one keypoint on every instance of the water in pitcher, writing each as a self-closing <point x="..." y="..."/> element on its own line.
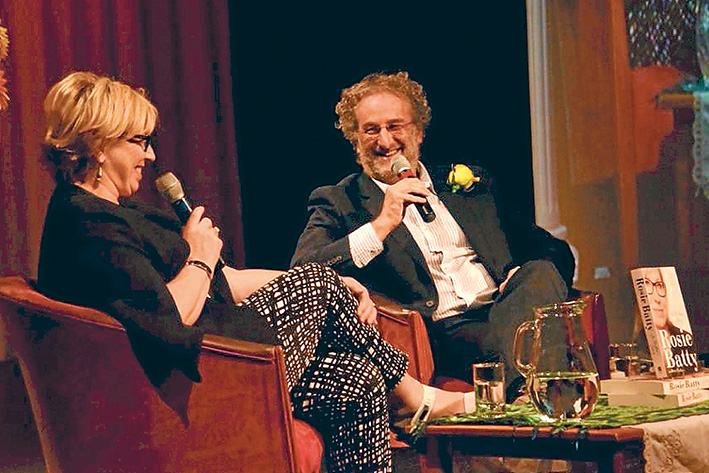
<point x="564" y="395"/>
<point x="562" y="378"/>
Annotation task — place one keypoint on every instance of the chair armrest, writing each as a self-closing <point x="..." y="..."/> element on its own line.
<point x="595" y="328"/>
<point x="388" y="307"/>
<point x="239" y="348"/>
<point x="243" y="401"/>
<point x="405" y="329"/>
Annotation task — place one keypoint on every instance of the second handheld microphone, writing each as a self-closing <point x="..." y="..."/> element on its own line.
<point x="401" y="167"/>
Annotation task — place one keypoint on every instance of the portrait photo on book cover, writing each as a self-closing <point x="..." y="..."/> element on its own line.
<point x="669" y="315"/>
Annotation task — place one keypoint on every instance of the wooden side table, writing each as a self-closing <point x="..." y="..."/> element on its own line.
<point x="617" y="450"/>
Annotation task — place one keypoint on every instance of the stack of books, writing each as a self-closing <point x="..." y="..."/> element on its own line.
<point x="650" y="391"/>
<point x="678" y="380"/>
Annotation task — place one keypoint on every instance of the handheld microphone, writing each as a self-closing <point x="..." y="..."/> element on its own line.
<point x="401" y="167"/>
<point x="170" y="187"/>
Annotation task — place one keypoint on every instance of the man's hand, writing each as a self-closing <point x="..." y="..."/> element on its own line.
<point x="366" y="311"/>
<point x="510" y="273"/>
<point x="396" y="198"/>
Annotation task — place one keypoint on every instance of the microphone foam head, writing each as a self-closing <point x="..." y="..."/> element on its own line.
<point x="169" y="186"/>
<point x="399" y="164"/>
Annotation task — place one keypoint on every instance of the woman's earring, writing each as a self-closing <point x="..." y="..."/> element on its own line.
<point x="99" y="173"/>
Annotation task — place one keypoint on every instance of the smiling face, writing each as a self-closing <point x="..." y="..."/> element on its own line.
<point x="95" y="122"/>
<point x="385" y="127"/>
<point x="122" y="164"/>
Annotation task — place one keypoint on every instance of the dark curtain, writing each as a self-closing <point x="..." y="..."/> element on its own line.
<point x="178" y="50"/>
<point x="292" y="59"/>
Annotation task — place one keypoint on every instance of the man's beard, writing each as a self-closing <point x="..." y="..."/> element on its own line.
<point x="379" y="168"/>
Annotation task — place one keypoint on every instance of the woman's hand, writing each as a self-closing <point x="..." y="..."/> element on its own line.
<point x="203" y="238"/>
<point x="366" y="311"/>
<point x="190" y="287"/>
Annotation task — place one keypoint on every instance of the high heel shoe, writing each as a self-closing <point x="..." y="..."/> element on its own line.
<point x="409" y="428"/>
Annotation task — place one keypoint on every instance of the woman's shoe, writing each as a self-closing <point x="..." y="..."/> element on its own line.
<point x="408" y="428"/>
<point x="469" y="403"/>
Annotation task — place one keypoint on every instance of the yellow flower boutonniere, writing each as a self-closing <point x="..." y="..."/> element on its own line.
<point x="461" y="177"/>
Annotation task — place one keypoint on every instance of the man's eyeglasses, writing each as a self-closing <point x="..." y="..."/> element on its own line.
<point x="660" y="285"/>
<point x="144" y="141"/>
<point x="395" y="128"/>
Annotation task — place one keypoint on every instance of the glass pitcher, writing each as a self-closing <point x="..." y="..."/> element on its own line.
<point x="562" y="378"/>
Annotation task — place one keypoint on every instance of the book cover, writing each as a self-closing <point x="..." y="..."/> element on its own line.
<point x="665" y="321"/>
<point x="687" y="398"/>
<point x="652" y="385"/>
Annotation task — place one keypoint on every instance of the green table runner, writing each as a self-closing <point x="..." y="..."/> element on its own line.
<point x="602" y="417"/>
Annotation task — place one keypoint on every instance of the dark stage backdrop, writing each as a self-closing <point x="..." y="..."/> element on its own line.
<point x="178" y="50"/>
<point x="290" y="63"/>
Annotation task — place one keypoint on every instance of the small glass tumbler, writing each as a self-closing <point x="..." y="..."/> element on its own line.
<point x="489" y="382"/>
<point x="622" y="359"/>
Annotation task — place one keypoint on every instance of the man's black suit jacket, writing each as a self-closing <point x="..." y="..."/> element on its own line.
<point x="501" y="239"/>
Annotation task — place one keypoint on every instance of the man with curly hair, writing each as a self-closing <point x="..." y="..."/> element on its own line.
<point x="475" y="273"/>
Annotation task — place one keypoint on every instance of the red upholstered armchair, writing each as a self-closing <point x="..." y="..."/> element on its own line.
<point x="96" y="410"/>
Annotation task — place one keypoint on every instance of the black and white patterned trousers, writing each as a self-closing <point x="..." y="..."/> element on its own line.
<point x="338" y="369"/>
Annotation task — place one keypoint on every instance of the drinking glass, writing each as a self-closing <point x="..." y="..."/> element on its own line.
<point x="489" y="382"/>
<point x="622" y="359"/>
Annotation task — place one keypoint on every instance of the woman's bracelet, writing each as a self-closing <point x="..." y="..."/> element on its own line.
<point x="201" y="265"/>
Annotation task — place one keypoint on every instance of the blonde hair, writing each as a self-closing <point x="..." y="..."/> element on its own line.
<point x="84" y="112"/>
<point x="399" y="84"/>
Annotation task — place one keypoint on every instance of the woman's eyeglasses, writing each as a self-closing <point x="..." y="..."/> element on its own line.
<point x="650" y="286"/>
<point x="144" y="141"/>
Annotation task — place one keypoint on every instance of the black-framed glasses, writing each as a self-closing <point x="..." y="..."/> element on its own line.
<point x="144" y="141"/>
<point x="660" y="285"/>
<point x="395" y="128"/>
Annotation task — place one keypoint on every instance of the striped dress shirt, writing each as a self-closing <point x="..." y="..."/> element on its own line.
<point x="462" y="282"/>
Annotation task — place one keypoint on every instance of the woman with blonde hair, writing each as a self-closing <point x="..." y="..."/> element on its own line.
<point x="161" y="281"/>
